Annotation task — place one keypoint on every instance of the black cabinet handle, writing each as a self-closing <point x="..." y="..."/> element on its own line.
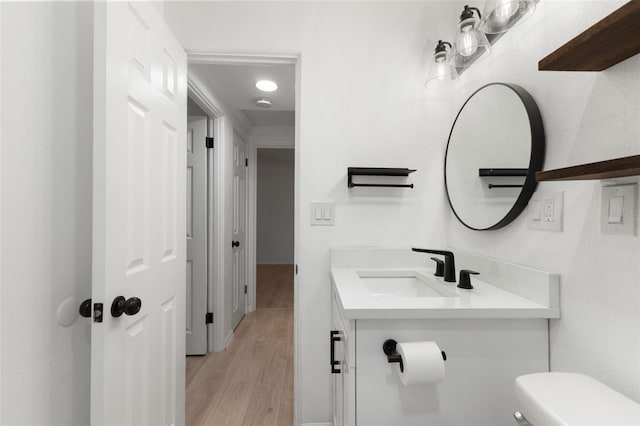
<point x="235" y="244"/>
<point x="335" y="337"/>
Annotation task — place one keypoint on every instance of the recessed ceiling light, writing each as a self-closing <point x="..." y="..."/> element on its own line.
<point x="263" y="102"/>
<point x="267" y="85"/>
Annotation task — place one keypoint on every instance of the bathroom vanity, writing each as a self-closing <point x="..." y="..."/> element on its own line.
<point x="491" y="334"/>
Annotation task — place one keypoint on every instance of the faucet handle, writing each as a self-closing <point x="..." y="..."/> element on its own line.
<point x="439" y="267"/>
<point x="464" y="281"/>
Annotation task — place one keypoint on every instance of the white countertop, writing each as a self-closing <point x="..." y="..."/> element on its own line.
<point x="483" y="301"/>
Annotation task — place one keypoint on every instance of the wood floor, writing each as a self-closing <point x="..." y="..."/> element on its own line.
<point x="251" y="383"/>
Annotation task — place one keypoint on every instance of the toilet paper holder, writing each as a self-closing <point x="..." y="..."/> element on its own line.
<point x="389" y="349"/>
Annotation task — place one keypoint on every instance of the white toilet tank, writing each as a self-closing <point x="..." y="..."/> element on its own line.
<point x="570" y="399"/>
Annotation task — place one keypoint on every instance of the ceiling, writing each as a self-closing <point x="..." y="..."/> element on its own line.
<point x="234" y="85"/>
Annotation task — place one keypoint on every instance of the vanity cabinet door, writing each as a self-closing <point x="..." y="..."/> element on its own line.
<point x="343" y="374"/>
<point x="337" y="367"/>
<point x="484" y="356"/>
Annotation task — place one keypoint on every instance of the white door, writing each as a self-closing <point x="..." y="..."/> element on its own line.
<point x="196" y="236"/>
<point x="139" y="248"/>
<point x="239" y="256"/>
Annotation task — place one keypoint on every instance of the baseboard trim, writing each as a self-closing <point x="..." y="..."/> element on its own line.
<point x="228" y="339"/>
<point x="316" y="424"/>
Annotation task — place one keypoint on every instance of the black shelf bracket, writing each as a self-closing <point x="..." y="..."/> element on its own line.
<point x="377" y="171"/>
<point x="491" y="186"/>
<point x="502" y="172"/>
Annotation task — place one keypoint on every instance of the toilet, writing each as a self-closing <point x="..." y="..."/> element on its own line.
<point x="571" y="399"/>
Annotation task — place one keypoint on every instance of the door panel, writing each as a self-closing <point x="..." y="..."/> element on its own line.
<point x="139" y="187"/>
<point x="196" y="236"/>
<point x="239" y="258"/>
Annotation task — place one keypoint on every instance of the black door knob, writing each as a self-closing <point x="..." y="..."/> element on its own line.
<point x="85" y="309"/>
<point x="130" y="306"/>
<point x="235" y="243"/>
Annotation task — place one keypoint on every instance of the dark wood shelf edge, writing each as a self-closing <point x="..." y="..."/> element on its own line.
<point x="609" y="169"/>
<point x="606" y="43"/>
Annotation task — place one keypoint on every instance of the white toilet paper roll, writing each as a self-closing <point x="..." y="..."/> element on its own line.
<point x="422" y="362"/>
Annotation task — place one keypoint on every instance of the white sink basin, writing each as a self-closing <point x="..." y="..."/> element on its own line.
<point x="402" y="284"/>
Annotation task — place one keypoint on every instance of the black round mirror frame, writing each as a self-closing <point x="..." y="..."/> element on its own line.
<point x="535" y="160"/>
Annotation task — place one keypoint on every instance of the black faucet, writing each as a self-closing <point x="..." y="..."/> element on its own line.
<point x="449" y="262"/>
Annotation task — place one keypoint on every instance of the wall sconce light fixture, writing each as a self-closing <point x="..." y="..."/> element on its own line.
<point x="471" y="42"/>
<point x="475" y="34"/>
<point x="441" y="67"/>
<point x="501" y="15"/>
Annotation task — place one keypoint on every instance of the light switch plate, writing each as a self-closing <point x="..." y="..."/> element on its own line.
<point x="618" y="210"/>
<point x="322" y="213"/>
<point x="545" y="211"/>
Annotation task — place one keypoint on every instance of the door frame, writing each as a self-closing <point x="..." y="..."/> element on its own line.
<point x="215" y="220"/>
<point x="207" y="101"/>
<point x="216" y="285"/>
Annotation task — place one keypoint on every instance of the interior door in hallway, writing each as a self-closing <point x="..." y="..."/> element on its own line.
<point x="239" y="256"/>
<point x="139" y="245"/>
<point x="196" y="297"/>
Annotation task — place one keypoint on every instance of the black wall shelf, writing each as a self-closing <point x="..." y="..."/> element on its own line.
<point x="377" y="171"/>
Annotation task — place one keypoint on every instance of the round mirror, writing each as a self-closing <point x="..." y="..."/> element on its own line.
<point x="496" y="146"/>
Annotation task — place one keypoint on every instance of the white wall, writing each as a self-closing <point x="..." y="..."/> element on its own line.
<point x="587" y="117"/>
<point x="46" y="105"/>
<point x="362" y="104"/>
<point x="275" y="206"/>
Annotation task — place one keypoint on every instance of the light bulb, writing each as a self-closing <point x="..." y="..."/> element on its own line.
<point x="467" y="43"/>
<point x="506" y="9"/>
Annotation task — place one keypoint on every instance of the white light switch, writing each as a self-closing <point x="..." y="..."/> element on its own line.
<point x="618" y="210"/>
<point x="616" y="207"/>
<point x="322" y="213"/>
<point x="327" y="213"/>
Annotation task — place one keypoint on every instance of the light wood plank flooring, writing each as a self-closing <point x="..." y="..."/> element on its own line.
<point x="251" y="383"/>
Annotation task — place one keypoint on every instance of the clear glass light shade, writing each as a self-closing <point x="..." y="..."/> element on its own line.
<point x="500" y="15"/>
<point x="441" y="68"/>
<point x="471" y="43"/>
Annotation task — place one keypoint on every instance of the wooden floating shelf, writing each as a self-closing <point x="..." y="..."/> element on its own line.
<point x="611" y="40"/>
<point x="620" y="167"/>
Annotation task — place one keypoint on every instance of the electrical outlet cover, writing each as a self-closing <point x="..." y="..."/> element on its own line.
<point x="546" y="211"/>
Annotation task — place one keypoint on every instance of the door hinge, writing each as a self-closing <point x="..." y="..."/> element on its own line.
<point x="208" y="142"/>
<point x="97" y="312"/>
<point x="296" y="269"/>
<point x="209" y="318"/>
<point x="245" y="289"/>
<point x="246" y="162"/>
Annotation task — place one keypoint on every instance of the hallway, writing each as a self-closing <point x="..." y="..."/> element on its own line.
<point x="251" y="383"/>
